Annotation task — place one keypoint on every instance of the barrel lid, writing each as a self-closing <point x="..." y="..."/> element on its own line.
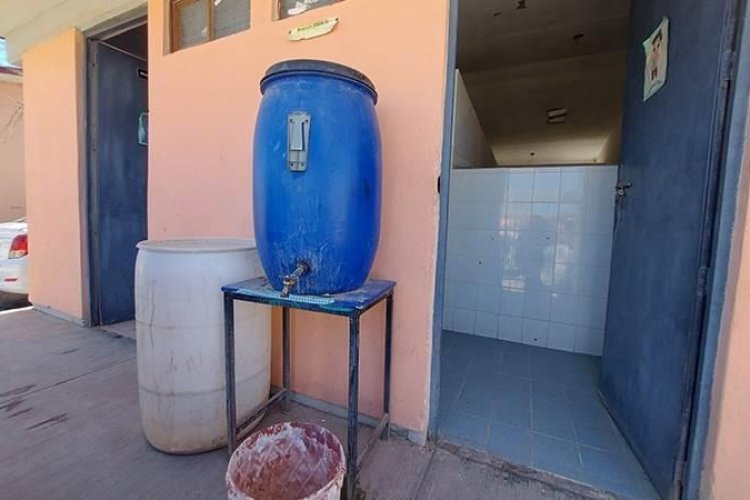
<point x="320" y="67"/>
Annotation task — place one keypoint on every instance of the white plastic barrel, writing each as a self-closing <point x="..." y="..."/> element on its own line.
<point x="180" y="340"/>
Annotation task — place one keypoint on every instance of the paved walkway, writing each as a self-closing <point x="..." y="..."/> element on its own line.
<point x="70" y="429"/>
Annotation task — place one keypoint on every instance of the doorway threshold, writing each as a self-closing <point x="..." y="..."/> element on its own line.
<point x="124" y="329"/>
<point x="525" y="473"/>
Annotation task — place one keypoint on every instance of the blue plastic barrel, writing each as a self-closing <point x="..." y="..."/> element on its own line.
<point x="317" y="176"/>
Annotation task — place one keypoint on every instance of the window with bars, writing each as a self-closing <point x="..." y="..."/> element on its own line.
<point x="199" y="21"/>
<point x="288" y="8"/>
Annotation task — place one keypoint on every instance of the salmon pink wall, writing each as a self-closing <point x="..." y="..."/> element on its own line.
<point x="12" y="190"/>
<point x="53" y="110"/>
<point x="203" y="103"/>
<point x="728" y="452"/>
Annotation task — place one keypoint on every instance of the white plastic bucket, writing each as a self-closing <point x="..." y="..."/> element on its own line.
<point x="180" y="340"/>
<point x="293" y="461"/>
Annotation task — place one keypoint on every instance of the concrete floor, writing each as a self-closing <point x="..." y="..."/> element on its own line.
<point x="70" y="429"/>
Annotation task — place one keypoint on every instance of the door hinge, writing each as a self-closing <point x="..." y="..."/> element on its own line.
<point x="702" y="281"/>
<point x="727" y="66"/>
<point x="679" y="482"/>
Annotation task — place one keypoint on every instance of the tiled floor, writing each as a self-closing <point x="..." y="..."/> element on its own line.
<point x="536" y="407"/>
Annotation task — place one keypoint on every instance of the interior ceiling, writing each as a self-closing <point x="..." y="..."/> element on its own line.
<point x="518" y="63"/>
<point x="134" y="41"/>
<point x="497" y="33"/>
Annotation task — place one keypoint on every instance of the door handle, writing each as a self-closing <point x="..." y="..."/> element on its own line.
<point x="621" y="192"/>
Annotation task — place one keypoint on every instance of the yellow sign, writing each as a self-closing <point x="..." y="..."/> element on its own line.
<point x="313" y="30"/>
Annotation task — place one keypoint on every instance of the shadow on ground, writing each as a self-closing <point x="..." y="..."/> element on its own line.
<point x="10" y="301"/>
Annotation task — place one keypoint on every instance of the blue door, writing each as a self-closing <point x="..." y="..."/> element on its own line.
<point x="118" y="94"/>
<point x="670" y="158"/>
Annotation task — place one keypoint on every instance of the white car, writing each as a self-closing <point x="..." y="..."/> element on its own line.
<point x="14" y="257"/>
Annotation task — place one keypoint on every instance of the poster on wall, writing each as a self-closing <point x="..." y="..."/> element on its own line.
<point x="656" y="47"/>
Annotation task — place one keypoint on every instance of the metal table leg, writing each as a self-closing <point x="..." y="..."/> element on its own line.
<point x="387" y="371"/>
<point x="286" y="362"/>
<point x="229" y="372"/>
<point x="353" y="416"/>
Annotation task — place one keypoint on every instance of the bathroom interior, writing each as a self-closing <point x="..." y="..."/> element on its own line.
<point x="537" y="118"/>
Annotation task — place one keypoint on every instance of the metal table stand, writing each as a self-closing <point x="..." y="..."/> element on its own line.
<point x="350" y="304"/>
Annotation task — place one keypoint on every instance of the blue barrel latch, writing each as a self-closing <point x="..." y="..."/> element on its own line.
<point x="299" y="132"/>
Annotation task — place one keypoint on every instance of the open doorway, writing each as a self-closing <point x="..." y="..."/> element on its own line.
<point x="118" y="167"/>
<point x="578" y="235"/>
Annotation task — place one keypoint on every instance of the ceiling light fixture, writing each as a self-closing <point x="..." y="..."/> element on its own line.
<point x="557" y="115"/>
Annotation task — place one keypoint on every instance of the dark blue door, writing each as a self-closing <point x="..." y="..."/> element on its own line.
<point x="117" y="180"/>
<point x="669" y="156"/>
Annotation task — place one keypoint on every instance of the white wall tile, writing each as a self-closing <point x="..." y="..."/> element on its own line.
<point x="510" y="328"/>
<point x="488" y="241"/>
<point x="602" y="179"/>
<point x="520" y="185"/>
<point x="537" y="245"/>
<point x="467" y="268"/>
<point x="592" y="312"/>
<point x="458" y="213"/>
<point x="475" y="240"/>
<point x="572" y="218"/>
<point x="470" y="184"/>
<point x="535" y="332"/>
<point x="529" y="251"/>
<point x="566" y="278"/>
<point x="465" y="295"/>
<point x="486" y="324"/>
<point x="486" y="215"/>
<point x="450" y="293"/>
<point x="573" y="184"/>
<point x="599" y="221"/>
<point x="511" y="302"/>
<point x="536" y="305"/>
<point x="489" y="269"/>
<point x="459" y="241"/>
<point x="518" y="215"/>
<point x="452" y="260"/>
<point x="546" y="185"/>
<point x="594" y="281"/>
<point x="544" y="216"/>
<point x="488" y="186"/>
<point x="463" y="320"/>
<point x="448" y="318"/>
<point x="460" y="189"/>
<point x="570" y="248"/>
<point x="564" y="308"/>
<point x="562" y="337"/>
<point x="597" y="250"/>
<point x="488" y="298"/>
<point x="589" y="340"/>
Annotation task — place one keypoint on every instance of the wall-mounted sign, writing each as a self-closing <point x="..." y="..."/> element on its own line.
<point x="312" y="30"/>
<point x="657" y="48"/>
